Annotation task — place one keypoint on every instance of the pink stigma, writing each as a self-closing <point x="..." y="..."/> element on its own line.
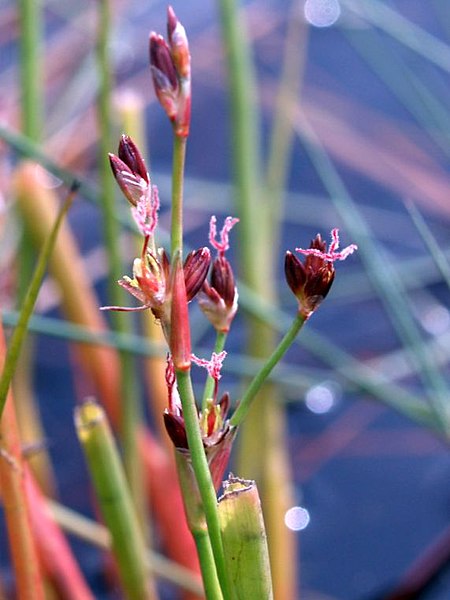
<point x="222" y="245"/>
<point x="331" y="255"/>
<point x="213" y="366"/>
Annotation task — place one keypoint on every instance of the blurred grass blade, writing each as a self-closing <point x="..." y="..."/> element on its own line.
<point x="98" y="535"/>
<point x="244" y="540"/>
<point x="382" y="274"/>
<point x="54" y="550"/>
<point x="402" y="29"/>
<point x="114" y="499"/>
<point x="131" y="410"/>
<point x="20" y="331"/>
<point x="425" y="233"/>
<point x="38" y="206"/>
<point x="414" y="93"/>
<point x="257" y="256"/>
<point x="16" y="503"/>
<point x="29" y="149"/>
<point x="343" y="363"/>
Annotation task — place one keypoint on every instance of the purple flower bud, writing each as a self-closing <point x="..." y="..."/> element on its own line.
<point x="218" y="300"/>
<point x="176" y="430"/>
<point x="130" y="171"/>
<point x="129" y="153"/>
<point x="195" y="270"/>
<point x="162" y="65"/>
<point x="171" y="73"/>
<point x="222" y="280"/>
<point x="311" y="280"/>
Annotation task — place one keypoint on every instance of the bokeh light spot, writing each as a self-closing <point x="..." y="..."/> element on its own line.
<point x="321" y="398"/>
<point x="436" y="319"/>
<point x="322" y="13"/>
<point x="297" y="518"/>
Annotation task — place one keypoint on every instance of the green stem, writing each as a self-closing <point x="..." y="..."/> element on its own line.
<point x="179" y="155"/>
<point x="207" y="565"/>
<point x="115" y="501"/>
<point x="221" y="338"/>
<point x="30" y="71"/>
<point x="131" y="413"/>
<point x="256" y="383"/>
<point x="245" y="135"/>
<point x="20" y="331"/>
<point x="202" y="475"/>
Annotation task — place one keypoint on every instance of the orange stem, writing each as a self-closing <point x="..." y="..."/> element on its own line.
<point x="17" y="511"/>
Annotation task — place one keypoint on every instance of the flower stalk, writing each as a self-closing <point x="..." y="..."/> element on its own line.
<point x="257" y="382"/>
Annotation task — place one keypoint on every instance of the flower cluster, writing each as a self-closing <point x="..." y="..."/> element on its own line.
<point x="217" y="434"/>
<point x="165" y="285"/>
<point x="152" y="281"/>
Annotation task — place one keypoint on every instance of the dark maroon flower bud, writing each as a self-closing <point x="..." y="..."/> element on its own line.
<point x="222" y="280"/>
<point x="161" y="64"/>
<point x="129" y="153"/>
<point x="130" y="171"/>
<point x="311" y="280"/>
<point x="176" y="430"/>
<point x="218" y="300"/>
<point x="310" y="283"/>
<point x="195" y="270"/>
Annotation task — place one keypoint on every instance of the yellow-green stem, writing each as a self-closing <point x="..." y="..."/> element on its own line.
<point x="179" y="155"/>
<point x="256" y="383"/>
<point x="203" y="476"/>
<point x="115" y="500"/>
<point x="207" y="565"/>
